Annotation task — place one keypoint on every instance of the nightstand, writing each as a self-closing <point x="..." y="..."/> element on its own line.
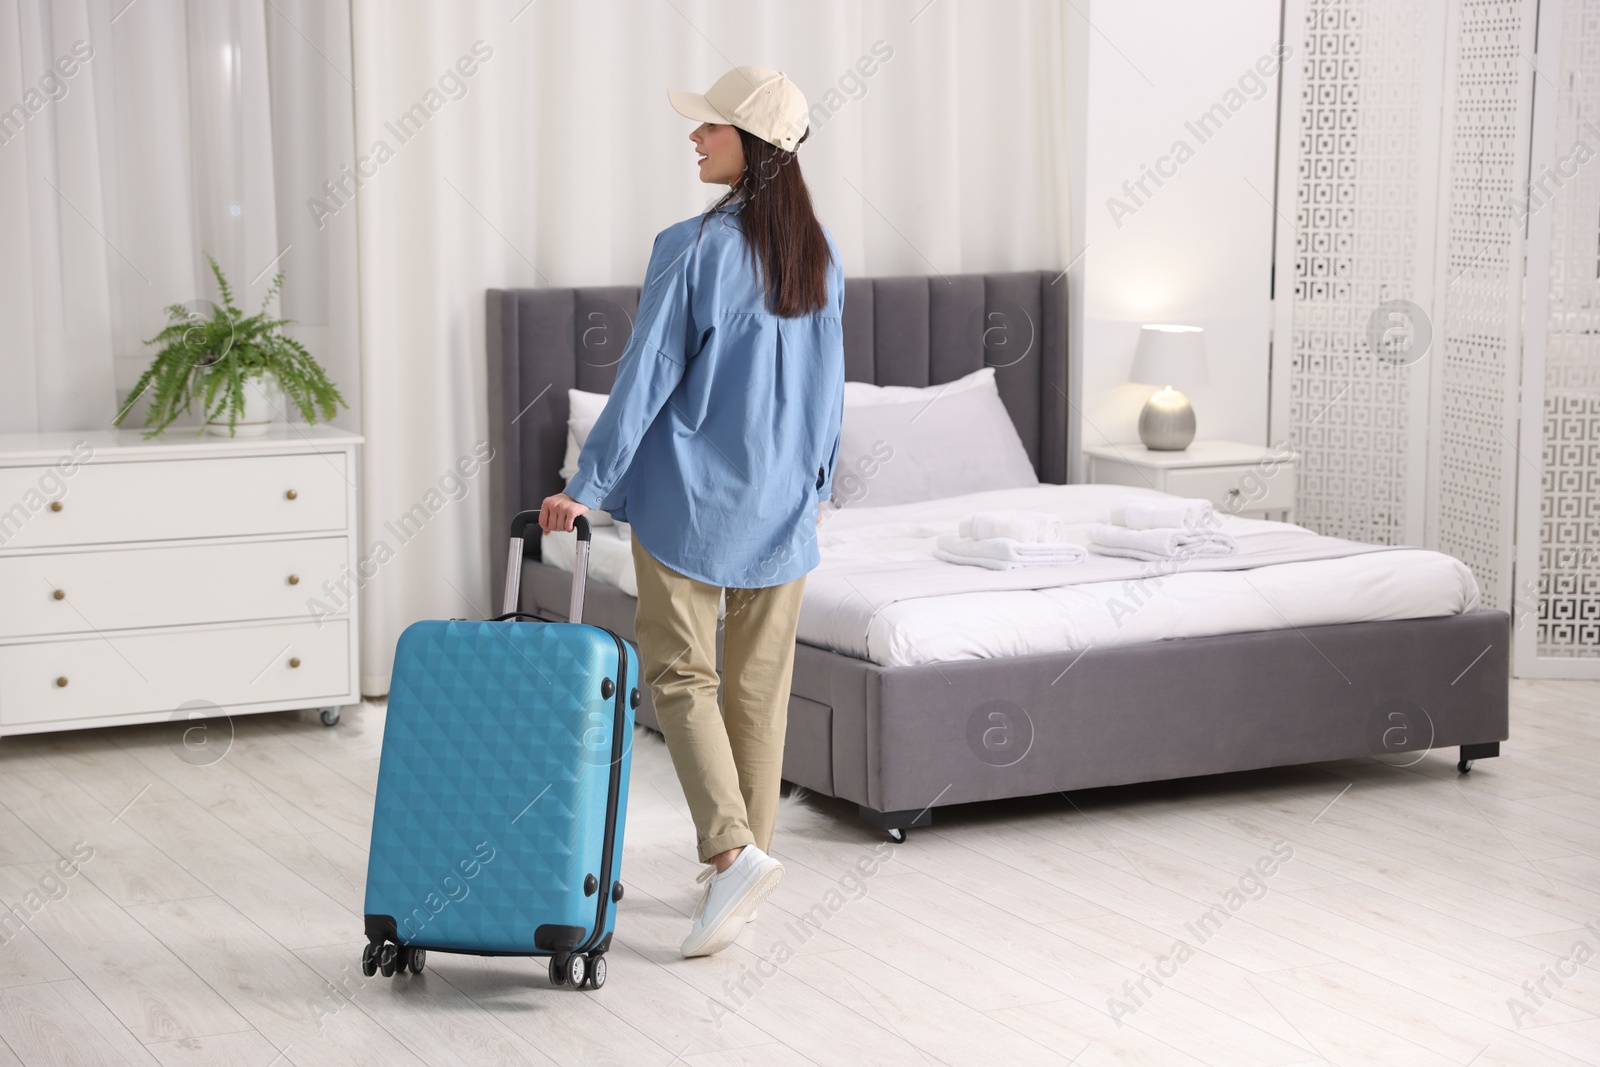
<point x="1251" y="481"/>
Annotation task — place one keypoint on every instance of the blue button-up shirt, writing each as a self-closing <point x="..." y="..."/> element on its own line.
<point x="719" y="438"/>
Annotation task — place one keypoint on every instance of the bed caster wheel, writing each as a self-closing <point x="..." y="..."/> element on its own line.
<point x="386" y="960"/>
<point x="597" y="973"/>
<point x="416" y="959"/>
<point x="556" y="976"/>
<point x="577" y="970"/>
<point x="897" y="835"/>
<point x="1464" y="766"/>
<point x="330" y="716"/>
<point x="369" y="960"/>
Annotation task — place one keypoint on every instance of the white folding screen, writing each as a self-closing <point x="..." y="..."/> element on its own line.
<point x="1408" y="347"/>
<point x="1477" y="307"/>
<point x="1558" y="516"/>
<point x="1353" y="165"/>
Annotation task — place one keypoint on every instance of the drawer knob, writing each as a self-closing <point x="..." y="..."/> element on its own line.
<point x="61" y="682"/>
<point x="292" y="494"/>
<point x="294" y="661"/>
<point x="294" y="579"/>
<point x="59" y="594"/>
<point x="55" y="505"/>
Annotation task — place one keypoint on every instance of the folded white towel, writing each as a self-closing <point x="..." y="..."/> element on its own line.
<point x="1164" y="544"/>
<point x="1033" y="527"/>
<point x="1005" y="554"/>
<point x="1142" y="513"/>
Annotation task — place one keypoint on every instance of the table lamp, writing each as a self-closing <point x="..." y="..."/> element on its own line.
<point x="1168" y="356"/>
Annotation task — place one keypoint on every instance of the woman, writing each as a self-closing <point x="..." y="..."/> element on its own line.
<point x="718" y="445"/>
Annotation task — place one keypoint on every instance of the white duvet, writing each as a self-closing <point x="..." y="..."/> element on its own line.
<point x="880" y="594"/>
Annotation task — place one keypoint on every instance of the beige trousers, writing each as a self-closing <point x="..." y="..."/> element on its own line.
<point x="730" y="761"/>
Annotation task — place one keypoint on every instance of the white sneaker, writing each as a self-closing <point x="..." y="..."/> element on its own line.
<point x="729" y="899"/>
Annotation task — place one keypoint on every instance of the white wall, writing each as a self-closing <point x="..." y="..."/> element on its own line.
<point x="1197" y="249"/>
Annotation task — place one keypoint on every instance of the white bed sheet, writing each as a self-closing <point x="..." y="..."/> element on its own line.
<point x="1400" y="583"/>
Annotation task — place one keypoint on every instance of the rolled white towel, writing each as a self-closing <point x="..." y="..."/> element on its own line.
<point x="1143" y="513"/>
<point x="1032" y="527"/>
<point x="1161" y="544"/>
<point x="1004" y="553"/>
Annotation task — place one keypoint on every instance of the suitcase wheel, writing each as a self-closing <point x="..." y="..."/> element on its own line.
<point x="387" y="955"/>
<point x="409" y="959"/>
<point x="577" y="970"/>
<point x="369" y="960"/>
<point x="597" y="972"/>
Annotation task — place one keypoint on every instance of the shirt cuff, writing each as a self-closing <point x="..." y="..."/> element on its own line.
<point x="584" y="492"/>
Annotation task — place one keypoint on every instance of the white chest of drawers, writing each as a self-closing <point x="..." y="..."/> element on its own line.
<point x="176" y="578"/>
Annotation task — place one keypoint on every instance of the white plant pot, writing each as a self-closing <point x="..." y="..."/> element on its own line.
<point x="263" y="400"/>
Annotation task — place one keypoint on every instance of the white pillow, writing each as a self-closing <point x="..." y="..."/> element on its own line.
<point x="941" y="444"/>
<point x="582" y="409"/>
<point x="585" y="407"/>
<point x="577" y="434"/>
<point x="861" y="394"/>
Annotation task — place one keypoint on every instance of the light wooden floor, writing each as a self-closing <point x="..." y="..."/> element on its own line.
<point x="221" y="908"/>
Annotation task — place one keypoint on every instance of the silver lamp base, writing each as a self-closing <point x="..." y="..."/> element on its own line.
<point x="1166" y="428"/>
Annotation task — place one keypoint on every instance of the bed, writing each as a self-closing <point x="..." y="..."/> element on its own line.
<point x="919" y="685"/>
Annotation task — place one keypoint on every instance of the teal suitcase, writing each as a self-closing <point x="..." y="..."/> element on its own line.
<point x="503" y="788"/>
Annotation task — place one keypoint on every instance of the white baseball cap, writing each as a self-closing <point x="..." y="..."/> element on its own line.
<point x="759" y="100"/>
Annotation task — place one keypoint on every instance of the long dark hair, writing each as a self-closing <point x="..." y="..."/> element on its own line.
<point x="788" y="249"/>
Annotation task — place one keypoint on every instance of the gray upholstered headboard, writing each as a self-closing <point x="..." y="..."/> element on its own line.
<point x="897" y="331"/>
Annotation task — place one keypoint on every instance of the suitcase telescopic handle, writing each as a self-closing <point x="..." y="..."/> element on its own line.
<point x="580" y="566"/>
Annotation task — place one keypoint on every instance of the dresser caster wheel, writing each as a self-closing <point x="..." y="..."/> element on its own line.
<point x="331" y="716"/>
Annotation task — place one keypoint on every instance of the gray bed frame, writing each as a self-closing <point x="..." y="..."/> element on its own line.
<point x="901" y="741"/>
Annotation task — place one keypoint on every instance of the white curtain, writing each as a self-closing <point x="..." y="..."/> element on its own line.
<point x="541" y="151"/>
<point x="135" y="138"/>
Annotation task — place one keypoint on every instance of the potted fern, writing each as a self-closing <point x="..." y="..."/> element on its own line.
<point x="235" y="365"/>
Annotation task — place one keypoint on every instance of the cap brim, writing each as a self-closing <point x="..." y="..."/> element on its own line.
<point x="695" y="106"/>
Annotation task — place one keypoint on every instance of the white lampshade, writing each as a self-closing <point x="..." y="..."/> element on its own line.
<point x="1170" y="355"/>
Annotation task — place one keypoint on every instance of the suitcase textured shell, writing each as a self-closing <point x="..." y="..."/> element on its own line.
<point x="495" y="782"/>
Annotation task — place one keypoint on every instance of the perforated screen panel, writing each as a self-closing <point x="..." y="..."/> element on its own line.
<point x="1569" y="506"/>
<point x="1488" y="117"/>
<point x="1355" y="217"/>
